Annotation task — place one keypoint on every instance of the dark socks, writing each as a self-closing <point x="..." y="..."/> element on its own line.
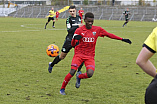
<point x="79" y="68"/>
<point x="55" y="61"/>
<point x="125" y="23"/>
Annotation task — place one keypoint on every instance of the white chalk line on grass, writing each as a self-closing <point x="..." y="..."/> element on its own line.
<point x="32" y="26"/>
<point x="42" y="29"/>
<point x="19" y="31"/>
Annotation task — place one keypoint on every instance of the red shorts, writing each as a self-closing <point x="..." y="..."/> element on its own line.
<point x="88" y="61"/>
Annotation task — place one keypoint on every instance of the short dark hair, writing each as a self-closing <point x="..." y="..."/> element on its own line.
<point x="89" y="15"/>
<point x="72" y="7"/>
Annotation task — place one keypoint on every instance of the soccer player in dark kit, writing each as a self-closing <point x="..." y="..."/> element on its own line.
<point x="85" y="51"/>
<point x="72" y="23"/>
<point x="126" y="13"/>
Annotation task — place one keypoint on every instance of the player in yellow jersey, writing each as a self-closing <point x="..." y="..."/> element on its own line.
<point x="148" y="50"/>
<point x="51" y="17"/>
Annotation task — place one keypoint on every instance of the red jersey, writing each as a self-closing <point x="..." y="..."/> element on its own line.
<point x="87" y="43"/>
<point x="81" y="12"/>
<point x="57" y="14"/>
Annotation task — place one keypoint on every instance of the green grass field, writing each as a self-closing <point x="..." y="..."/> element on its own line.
<point x="24" y="62"/>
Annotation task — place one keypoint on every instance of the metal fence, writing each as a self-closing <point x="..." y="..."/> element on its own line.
<point x="86" y="2"/>
<point x="104" y="12"/>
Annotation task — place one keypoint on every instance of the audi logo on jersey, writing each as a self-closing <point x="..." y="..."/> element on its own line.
<point x="88" y="39"/>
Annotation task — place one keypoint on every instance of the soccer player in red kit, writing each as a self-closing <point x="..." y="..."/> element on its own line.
<point x="81" y="13"/>
<point x="57" y="15"/>
<point x="85" y="51"/>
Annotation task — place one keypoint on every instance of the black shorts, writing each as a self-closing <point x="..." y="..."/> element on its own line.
<point x="151" y="92"/>
<point x="127" y="19"/>
<point x="66" y="46"/>
<point x="50" y="18"/>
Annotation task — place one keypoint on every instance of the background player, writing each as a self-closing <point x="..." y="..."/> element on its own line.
<point x="57" y="15"/>
<point x="72" y="23"/>
<point x="51" y="14"/>
<point x="85" y="51"/>
<point x="148" y="50"/>
<point x="81" y="13"/>
<point x="126" y="13"/>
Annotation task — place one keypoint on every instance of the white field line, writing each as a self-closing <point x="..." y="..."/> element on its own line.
<point x="32" y="26"/>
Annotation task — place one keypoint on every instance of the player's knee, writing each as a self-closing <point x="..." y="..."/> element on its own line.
<point x="90" y="73"/>
<point x="62" y="57"/>
<point x="72" y="72"/>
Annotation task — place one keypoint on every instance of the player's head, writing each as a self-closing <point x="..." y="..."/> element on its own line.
<point x="72" y="10"/>
<point x="89" y="19"/>
<point x="52" y="8"/>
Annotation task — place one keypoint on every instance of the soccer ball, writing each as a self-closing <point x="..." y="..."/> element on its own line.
<point x="52" y="50"/>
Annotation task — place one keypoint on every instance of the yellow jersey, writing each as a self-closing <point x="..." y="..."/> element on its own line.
<point x="52" y="13"/>
<point x="151" y="41"/>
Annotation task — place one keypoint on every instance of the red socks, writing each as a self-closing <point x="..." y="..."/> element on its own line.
<point x="66" y="80"/>
<point x="69" y="76"/>
<point x="83" y="76"/>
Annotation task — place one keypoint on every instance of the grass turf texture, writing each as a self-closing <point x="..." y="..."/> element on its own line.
<point x="24" y="62"/>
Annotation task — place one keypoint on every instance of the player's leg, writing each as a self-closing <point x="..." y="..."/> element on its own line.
<point x="66" y="81"/>
<point x="53" y="22"/>
<point x="58" y="58"/>
<point x="79" y="68"/>
<point x="76" y="61"/>
<point x="65" y="49"/>
<point x="89" y="73"/>
<point x="124" y="23"/>
<point x="49" y="19"/>
<point x="56" y="18"/>
<point x="127" y="20"/>
<point x="90" y="67"/>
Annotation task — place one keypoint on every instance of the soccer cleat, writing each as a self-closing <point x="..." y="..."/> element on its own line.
<point x="50" y="67"/>
<point x="62" y="91"/>
<point x="77" y="85"/>
<point x="53" y="26"/>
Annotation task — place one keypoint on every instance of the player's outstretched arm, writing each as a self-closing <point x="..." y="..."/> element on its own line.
<point x="126" y="40"/>
<point x="112" y="36"/>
